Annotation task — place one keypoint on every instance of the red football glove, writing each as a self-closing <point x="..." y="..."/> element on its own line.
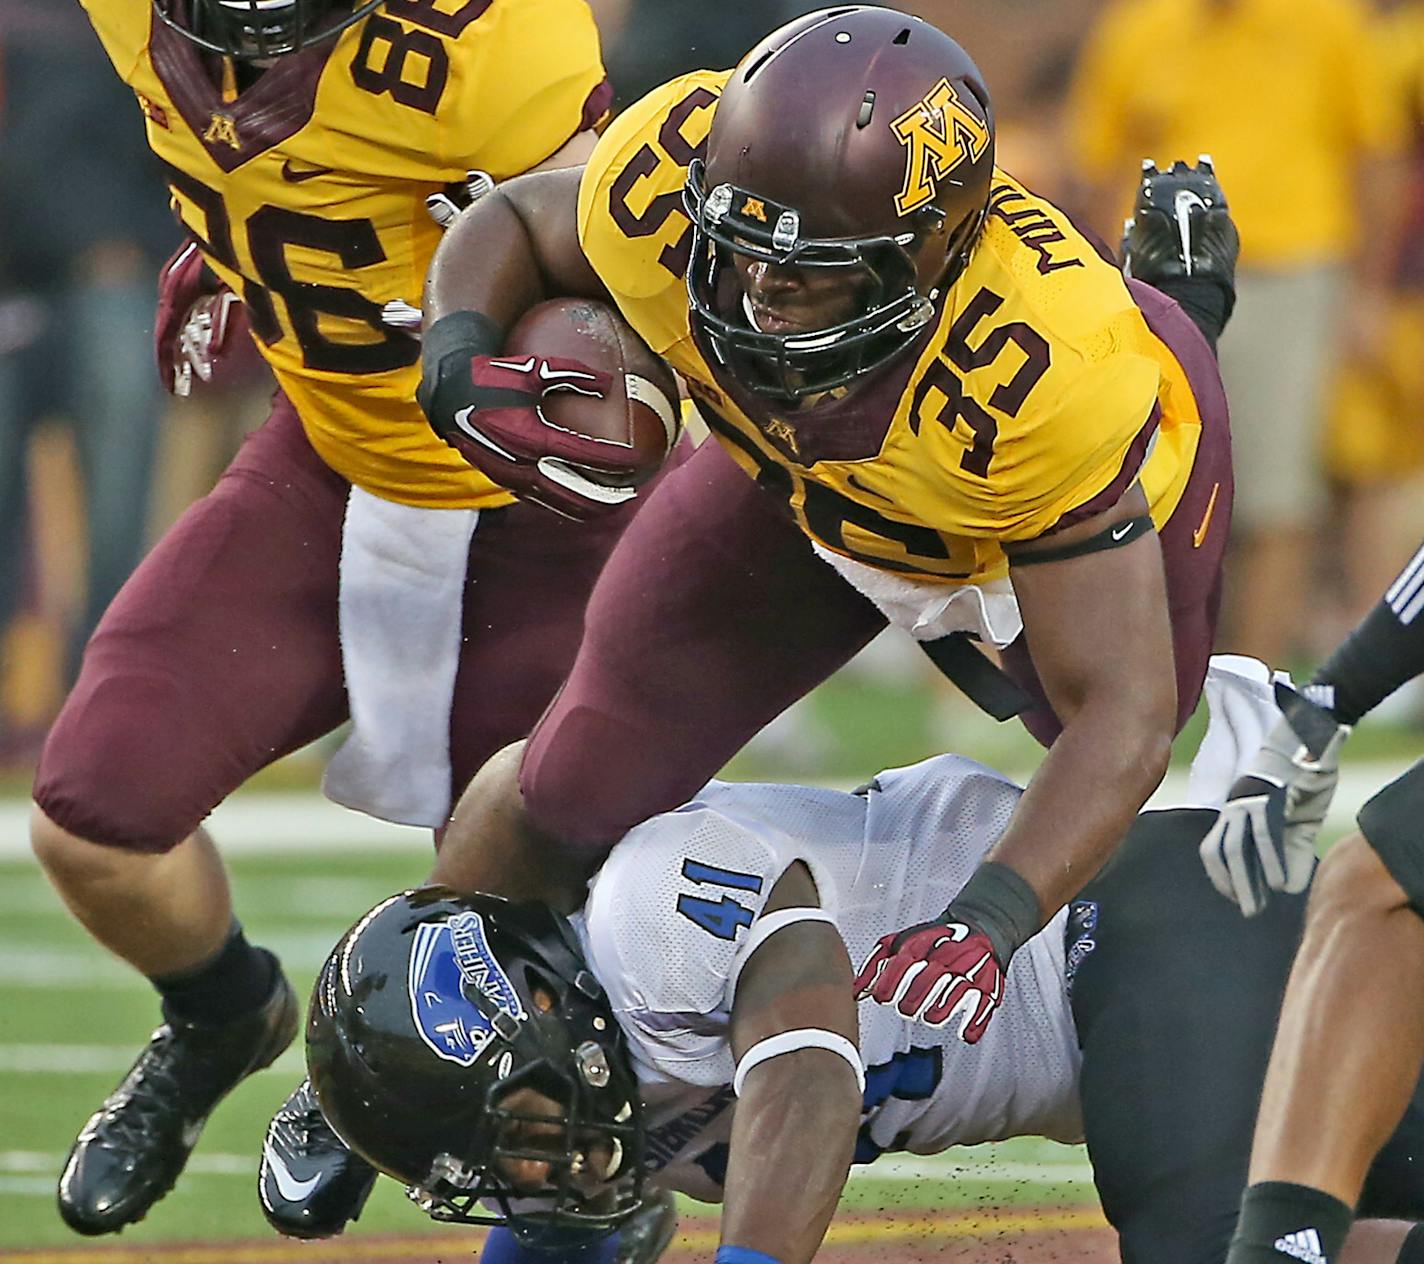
<point x="495" y="419"/>
<point x="198" y="323"/>
<point x="933" y="972"/>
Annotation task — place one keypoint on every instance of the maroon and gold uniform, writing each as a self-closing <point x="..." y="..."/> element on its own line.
<point x="1042" y="389"/>
<point x="306" y="189"/>
<point x="1030" y="401"/>
<point x="1373" y="433"/>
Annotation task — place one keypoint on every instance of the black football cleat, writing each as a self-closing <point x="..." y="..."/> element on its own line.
<point x="1181" y="227"/>
<point x="133" y="1148"/>
<point x="310" y="1185"/>
<point x="645" y="1235"/>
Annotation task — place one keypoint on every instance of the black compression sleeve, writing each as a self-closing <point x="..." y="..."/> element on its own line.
<point x="1207" y="302"/>
<point x="446" y="350"/>
<point x="997" y="901"/>
<point x="1386" y="650"/>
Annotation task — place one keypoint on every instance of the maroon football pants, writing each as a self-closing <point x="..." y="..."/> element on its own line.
<point x="713" y="615"/>
<point x="222" y="652"/>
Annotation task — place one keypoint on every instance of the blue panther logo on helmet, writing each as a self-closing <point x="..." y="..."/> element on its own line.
<point x="448" y="959"/>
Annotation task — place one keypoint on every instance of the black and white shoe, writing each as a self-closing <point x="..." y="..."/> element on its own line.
<point x="1181" y="227"/>
<point x="133" y="1148"/>
<point x="645" y="1235"/>
<point x="310" y="1185"/>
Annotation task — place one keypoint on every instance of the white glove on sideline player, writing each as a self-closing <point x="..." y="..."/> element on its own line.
<point x="1264" y="839"/>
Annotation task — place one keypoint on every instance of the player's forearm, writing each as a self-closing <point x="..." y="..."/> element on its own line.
<point x="1382" y="653"/>
<point x="792" y="1144"/>
<point x="1085" y="795"/>
<point x="510" y="251"/>
<point x="1101" y="639"/>
<point x="485" y="263"/>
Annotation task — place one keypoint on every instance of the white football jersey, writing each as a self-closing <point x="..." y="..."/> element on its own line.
<point x="667" y="916"/>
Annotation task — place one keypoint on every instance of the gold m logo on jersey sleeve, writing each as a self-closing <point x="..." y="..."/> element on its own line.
<point x="939" y="133"/>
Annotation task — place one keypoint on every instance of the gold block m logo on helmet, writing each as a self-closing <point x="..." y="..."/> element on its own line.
<point x="939" y="132"/>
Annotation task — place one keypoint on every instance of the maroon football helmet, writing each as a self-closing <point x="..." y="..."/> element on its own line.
<point x="857" y="140"/>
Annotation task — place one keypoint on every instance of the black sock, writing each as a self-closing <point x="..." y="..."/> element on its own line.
<point x="1281" y="1222"/>
<point x="237" y="980"/>
<point x="1412" y="1252"/>
<point x="1208" y="303"/>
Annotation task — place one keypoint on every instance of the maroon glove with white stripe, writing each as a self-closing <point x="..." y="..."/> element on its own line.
<point x="934" y="972"/>
<point x="496" y="420"/>
<point x="200" y="327"/>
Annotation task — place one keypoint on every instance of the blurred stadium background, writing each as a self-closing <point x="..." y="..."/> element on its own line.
<point x="95" y="462"/>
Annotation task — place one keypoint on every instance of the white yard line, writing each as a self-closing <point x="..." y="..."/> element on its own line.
<point x="24" y="965"/>
<point x="39" y="1059"/>
<point x="34" y="1171"/>
<point x="271" y="894"/>
<point x="301" y="823"/>
<point x="18" y="1162"/>
<point x="909" y="1169"/>
<point x="260" y="822"/>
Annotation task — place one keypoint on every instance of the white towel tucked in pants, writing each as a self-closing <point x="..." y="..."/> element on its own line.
<point x="402" y="589"/>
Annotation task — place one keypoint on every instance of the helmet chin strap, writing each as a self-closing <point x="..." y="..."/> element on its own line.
<point x="809" y="340"/>
<point x="749" y="312"/>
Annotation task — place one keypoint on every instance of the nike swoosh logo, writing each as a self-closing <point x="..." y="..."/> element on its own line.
<point x="293" y="1190"/>
<point x="1119" y="532"/>
<point x="515" y="366"/>
<point x="1186" y="202"/>
<point x="559" y="375"/>
<point x="293" y="174"/>
<point x="462" y="419"/>
<point x="868" y="491"/>
<point x="1200" y="533"/>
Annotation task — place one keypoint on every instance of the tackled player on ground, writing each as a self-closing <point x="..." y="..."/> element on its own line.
<point x="694" y="1025"/>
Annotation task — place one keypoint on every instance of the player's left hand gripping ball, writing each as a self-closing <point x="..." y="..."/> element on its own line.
<point x="573" y="414"/>
<point x="504" y="431"/>
<point x="935" y="972"/>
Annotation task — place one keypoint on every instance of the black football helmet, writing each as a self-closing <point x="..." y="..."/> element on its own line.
<point x="255" y="30"/>
<point x="429" y="1015"/>
<point x="857" y="139"/>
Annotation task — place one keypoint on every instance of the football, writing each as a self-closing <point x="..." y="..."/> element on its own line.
<point x="641" y="410"/>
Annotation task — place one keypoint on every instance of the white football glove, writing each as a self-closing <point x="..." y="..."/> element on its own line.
<point x="202" y="339"/>
<point x="445" y="207"/>
<point x="1264" y="839"/>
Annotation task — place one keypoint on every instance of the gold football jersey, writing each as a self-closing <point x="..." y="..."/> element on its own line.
<point x="1038" y="391"/>
<point x="307" y="192"/>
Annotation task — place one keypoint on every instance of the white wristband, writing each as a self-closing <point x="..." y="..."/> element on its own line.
<point x="790" y="1042"/>
<point x="766" y="926"/>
